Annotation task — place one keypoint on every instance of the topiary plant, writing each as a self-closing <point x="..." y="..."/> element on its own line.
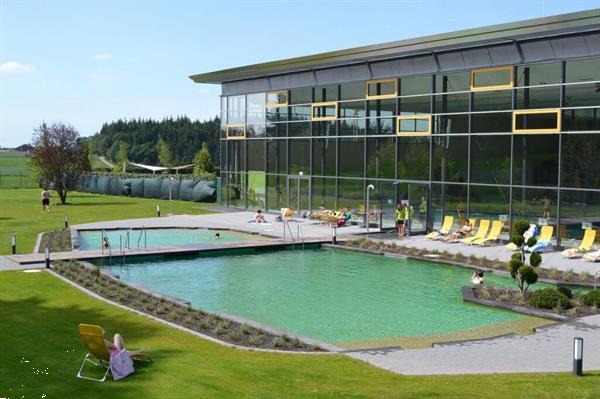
<point x="525" y="275"/>
<point x="549" y="298"/>
<point x="592" y="298"/>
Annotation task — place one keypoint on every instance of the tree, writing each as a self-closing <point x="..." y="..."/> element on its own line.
<point x="203" y="160"/>
<point x="122" y="156"/>
<point x="59" y="157"/>
<point x="165" y="155"/>
<point x="524" y="274"/>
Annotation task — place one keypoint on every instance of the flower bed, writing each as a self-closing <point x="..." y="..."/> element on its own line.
<point x="176" y="312"/>
<point x="56" y="241"/>
<point x="551" y="274"/>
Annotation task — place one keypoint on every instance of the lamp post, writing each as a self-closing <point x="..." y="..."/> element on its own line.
<point x="170" y="198"/>
<point x="47" y="257"/>
<point x="578" y="356"/>
<point x="369" y="188"/>
<point x="66" y="221"/>
<point x="158" y="210"/>
<point x="13" y="241"/>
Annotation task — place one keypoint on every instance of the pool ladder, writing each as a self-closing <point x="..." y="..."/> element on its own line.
<point x="299" y="238"/>
<point x="102" y="238"/>
<point x="143" y="233"/>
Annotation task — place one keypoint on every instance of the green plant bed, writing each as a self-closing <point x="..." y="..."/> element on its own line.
<point x="56" y="241"/>
<point x="175" y="312"/>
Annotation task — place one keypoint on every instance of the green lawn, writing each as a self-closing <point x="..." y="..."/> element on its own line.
<point x="42" y="354"/>
<point x="14" y="170"/>
<point x="21" y="213"/>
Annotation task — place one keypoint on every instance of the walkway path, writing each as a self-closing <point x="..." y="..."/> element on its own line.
<point x="496" y="251"/>
<point x="548" y="350"/>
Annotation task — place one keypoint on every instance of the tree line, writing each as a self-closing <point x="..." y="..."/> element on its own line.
<point x="168" y="142"/>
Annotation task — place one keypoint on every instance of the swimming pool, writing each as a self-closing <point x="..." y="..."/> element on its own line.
<point x="92" y="239"/>
<point x="336" y="296"/>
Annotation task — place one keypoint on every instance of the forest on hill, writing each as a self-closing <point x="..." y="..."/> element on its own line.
<point x="183" y="136"/>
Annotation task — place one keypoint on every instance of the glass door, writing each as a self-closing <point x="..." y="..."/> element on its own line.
<point x="416" y="195"/>
<point x="387" y="196"/>
<point x="298" y="190"/>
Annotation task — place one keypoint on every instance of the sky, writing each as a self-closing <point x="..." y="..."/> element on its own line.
<point x="86" y="63"/>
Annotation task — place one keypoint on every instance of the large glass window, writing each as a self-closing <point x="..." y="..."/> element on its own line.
<point x="413" y="158"/>
<point x="382" y="108"/>
<point x="415" y="105"/>
<point x="236" y="189"/>
<point x="582" y="95"/>
<point x="323" y="157"/>
<point x="326" y="93"/>
<point x="256" y="155"/>
<point x="536" y="121"/>
<point x="585" y="70"/>
<point x="382" y="126"/>
<point x="278" y="114"/>
<point x="223" y="113"/>
<point x="236" y="156"/>
<point x="352" y="109"/>
<point x="277" y="156"/>
<point x="538" y="74"/>
<point x="450" y="158"/>
<point x="352" y="91"/>
<point x="416" y="85"/>
<point x="324" y="111"/>
<point x="446" y="83"/>
<point x="489" y="202"/>
<point x="351" y="194"/>
<point x="448" y="200"/>
<point x="535" y="160"/>
<point x="576" y="208"/>
<point x="276" y="192"/>
<point x="492" y="100"/>
<point x="352" y="127"/>
<point x="384" y="88"/>
<point x="532" y="204"/>
<point x="495" y="122"/>
<point x="300" y="113"/>
<point x="299" y="156"/>
<point x="381" y="157"/>
<point x="236" y="109"/>
<point x="236" y="132"/>
<point x="301" y="96"/>
<point x="417" y="125"/>
<point x="451" y="103"/>
<point x="276" y="98"/>
<point x="351" y="157"/>
<point x="577" y="120"/>
<point x="492" y="78"/>
<point x="255" y="130"/>
<point x="256" y="108"/>
<point x="323" y="194"/>
<point x="458" y="123"/>
<point x="299" y="129"/>
<point x="580" y="160"/>
<point x="277" y="130"/>
<point x="490" y="159"/>
<point x="323" y="128"/>
<point x="538" y="97"/>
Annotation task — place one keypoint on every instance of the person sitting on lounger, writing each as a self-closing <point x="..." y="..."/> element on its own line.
<point x="117" y="345"/>
<point x="259" y="217"/>
<point x="463" y="232"/>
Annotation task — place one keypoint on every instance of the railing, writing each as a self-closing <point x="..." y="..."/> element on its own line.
<point x="143" y="233"/>
<point x="103" y="246"/>
<point x="288" y="230"/>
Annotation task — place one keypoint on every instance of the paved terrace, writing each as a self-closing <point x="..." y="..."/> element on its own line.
<point x="495" y="251"/>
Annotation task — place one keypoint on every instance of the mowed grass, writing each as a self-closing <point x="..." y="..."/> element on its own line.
<point x="21" y="213"/>
<point x="42" y="354"/>
<point x="14" y="170"/>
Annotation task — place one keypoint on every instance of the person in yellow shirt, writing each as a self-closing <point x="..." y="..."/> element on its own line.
<point x="400" y="218"/>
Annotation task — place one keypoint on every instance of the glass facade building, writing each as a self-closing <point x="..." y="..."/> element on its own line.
<point x="504" y="129"/>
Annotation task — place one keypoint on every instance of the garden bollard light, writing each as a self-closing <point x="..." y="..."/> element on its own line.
<point x="66" y="221"/>
<point x="13" y="240"/>
<point x="578" y="356"/>
<point x="333" y="235"/>
<point x="47" y="255"/>
<point x="158" y="210"/>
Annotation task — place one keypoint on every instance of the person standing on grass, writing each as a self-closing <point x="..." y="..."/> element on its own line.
<point x="400" y="216"/>
<point x="45" y="200"/>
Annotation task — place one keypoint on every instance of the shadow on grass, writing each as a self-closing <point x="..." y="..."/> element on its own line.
<point x="46" y="351"/>
<point x="106" y="203"/>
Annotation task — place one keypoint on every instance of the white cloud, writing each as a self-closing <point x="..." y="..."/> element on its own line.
<point x="15" y="68"/>
<point x="103" y="57"/>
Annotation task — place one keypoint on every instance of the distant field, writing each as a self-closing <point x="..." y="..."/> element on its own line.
<point x="14" y="171"/>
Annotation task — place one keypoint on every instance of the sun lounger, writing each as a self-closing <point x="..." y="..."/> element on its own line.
<point x="543" y="241"/>
<point x="484" y="225"/>
<point x="492" y="236"/>
<point x="586" y="244"/>
<point x="592" y="256"/>
<point x="472" y="222"/>
<point x="446" y="226"/>
<point x="98" y="354"/>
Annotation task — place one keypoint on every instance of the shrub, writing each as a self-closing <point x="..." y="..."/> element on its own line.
<point x="246" y="329"/>
<point x="232" y="336"/>
<point x="592" y="298"/>
<point x="279" y="342"/>
<point x="585" y="276"/>
<point x="254" y="340"/>
<point x="549" y="298"/>
<point x="565" y="291"/>
<point x="553" y="273"/>
<point x="568" y="275"/>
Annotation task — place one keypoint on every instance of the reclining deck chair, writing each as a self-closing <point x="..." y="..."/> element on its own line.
<point x="484" y="225"/>
<point x="493" y="236"/>
<point x="586" y="244"/>
<point x="445" y="229"/>
<point x="98" y="354"/>
<point x="543" y="241"/>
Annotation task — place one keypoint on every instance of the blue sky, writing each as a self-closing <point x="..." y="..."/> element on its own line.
<point x="90" y="62"/>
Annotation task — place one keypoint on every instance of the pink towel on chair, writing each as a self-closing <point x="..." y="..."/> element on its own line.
<point x="120" y="364"/>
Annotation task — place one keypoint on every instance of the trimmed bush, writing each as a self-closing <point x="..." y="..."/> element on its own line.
<point x="565" y="291"/>
<point x="549" y="298"/>
<point x="592" y="298"/>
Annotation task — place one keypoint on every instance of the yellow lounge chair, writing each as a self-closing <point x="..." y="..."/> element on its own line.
<point x="545" y="236"/>
<point x="494" y="233"/>
<point x="446" y="226"/>
<point x="586" y="244"/>
<point x="93" y="339"/>
<point x="484" y="225"/>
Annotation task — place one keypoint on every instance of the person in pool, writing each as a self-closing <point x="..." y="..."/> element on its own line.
<point x="217" y="236"/>
<point x="477" y="278"/>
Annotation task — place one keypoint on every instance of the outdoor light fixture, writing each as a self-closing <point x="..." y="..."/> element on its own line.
<point x="170" y="198"/>
<point x="333" y="234"/>
<point x="369" y="188"/>
<point x="13" y="240"/>
<point x="578" y="356"/>
<point x="157" y="210"/>
<point x="66" y="221"/>
<point x="47" y="256"/>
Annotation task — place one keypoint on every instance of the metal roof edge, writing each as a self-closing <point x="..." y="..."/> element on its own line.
<point x="438" y="42"/>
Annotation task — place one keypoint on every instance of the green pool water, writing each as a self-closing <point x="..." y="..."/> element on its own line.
<point x="330" y="295"/>
<point x="92" y="239"/>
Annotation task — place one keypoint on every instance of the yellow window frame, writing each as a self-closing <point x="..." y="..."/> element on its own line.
<point x="537" y="111"/>
<point x="229" y="127"/>
<point x="426" y="117"/>
<point x="508" y="85"/>
<point x="381" y="96"/>
<point x="324" y="104"/>
<point x="277" y="105"/>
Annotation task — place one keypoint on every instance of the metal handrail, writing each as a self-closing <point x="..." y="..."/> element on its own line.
<point x="143" y="232"/>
